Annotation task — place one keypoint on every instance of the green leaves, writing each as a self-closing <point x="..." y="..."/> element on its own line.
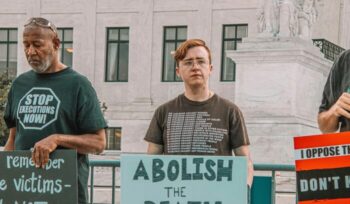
<point x="5" y="85"/>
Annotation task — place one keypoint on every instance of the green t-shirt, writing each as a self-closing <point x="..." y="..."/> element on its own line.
<point x="43" y="104"/>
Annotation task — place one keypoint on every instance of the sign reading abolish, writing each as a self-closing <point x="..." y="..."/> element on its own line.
<point x="323" y="168"/>
<point x="163" y="179"/>
<point x="22" y="183"/>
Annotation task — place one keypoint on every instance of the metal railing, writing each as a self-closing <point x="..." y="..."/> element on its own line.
<point x="116" y="164"/>
<point x="273" y="168"/>
<point x="103" y="163"/>
<point x="330" y="50"/>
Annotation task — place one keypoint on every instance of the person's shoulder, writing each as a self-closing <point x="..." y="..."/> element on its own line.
<point x="78" y="78"/>
<point x="29" y="73"/>
<point x="226" y="103"/>
<point x="24" y="77"/>
<point x="343" y="56"/>
<point x="340" y="64"/>
<point x="75" y="74"/>
<point x="345" y="53"/>
<point x="171" y="103"/>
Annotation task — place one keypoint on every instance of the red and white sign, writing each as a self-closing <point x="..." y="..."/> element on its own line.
<point x="323" y="168"/>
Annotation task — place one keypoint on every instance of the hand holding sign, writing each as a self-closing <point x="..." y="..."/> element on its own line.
<point x="21" y="182"/>
<point x="42" y="150"/>
<point x="342" y="106"/>
<point x="328" y="120"/>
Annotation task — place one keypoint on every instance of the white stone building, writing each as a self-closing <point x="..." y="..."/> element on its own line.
<point x="133" y="82"/>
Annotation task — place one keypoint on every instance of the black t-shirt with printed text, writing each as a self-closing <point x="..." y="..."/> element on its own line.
<point x="43" y="104"/>
<point x="212" y="127"/>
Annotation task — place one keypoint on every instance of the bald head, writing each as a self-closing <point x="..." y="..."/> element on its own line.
<point x="43" y="33"/>
<point x="45" y="26"/>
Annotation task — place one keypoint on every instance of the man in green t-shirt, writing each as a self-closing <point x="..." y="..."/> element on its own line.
<point x="198" y="122"/>
<point x="53" y="106"/>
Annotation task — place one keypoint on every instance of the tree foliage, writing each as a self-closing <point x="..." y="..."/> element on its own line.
<point x="5" y="84"/>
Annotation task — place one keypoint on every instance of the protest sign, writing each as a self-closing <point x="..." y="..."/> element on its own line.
<point x="323" y="168"/>
<point x="22" y="183"/>
<point x="164" y="179"/>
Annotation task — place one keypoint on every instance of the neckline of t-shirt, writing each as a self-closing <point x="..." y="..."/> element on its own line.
<point x="48" y="75"/>
<point x="198" y="103"/>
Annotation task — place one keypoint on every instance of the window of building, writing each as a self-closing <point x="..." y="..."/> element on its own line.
<point x="173" y="36"/>
<point x="231" y="36"/>
<point x="66" y="47"/>
<point x="8" y="52"/>
<point x="113" y="140"/>
<point x="117" y="58"/>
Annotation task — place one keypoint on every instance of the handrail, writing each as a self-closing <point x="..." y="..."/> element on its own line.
<point x="258" y="166"/>
<point x="273" y="168"/>
<point x="103" y="163"/>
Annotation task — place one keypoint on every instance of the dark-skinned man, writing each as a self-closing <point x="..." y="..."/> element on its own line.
<point x="52" y="106"/>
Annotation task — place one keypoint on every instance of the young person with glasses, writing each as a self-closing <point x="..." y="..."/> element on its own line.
<point x="52" y="106"/>
<point x="198" y="122"/>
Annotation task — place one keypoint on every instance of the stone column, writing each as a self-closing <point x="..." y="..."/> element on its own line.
<point x="279" y="86"/>
<point x="344" y="25"/>
<point x="142" y="74"/>
<point x="87" y="27"/>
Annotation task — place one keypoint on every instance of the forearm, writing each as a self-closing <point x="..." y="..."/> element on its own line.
<point x="244" y="151"/>
<point x="10" y="144"/>
<point x="328" y="121"/>
<point x="250" y="172"/>
<point x="154" y="148"/>
<point x="84" y="144"/>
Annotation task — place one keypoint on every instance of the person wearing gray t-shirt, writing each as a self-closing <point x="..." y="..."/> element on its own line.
<point x="198" y="122"/>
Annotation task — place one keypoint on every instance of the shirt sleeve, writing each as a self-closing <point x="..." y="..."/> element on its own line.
<point x="9" y="115"/>
<point x="238" y="130"/>
<point x="155" y="131"/>
<point x="90" y="117"/>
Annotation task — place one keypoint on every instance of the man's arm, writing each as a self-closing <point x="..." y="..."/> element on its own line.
<point x="154" y="148"/>
<point x="84" y="144"/>
<point x="244" y="151"/>
<point x="328" y="121"/>
<point x="10" y="144"/>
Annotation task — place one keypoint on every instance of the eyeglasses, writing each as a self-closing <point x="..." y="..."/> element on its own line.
<point x="42" y="22"/>
<point x="202" y="63"/>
